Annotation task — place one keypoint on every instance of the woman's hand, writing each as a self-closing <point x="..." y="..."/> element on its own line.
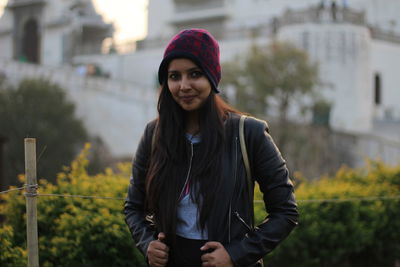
<point x="157" y="252"/>
<point x="219" y="257"/>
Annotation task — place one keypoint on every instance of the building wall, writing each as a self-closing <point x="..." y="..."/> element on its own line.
<point x="385" y="61"/>
<point x="248" y="13"/>
<point x="343" y="54"/>
<point x="6" y="21"/>
<point x="52" y="47"/>
<point x="160" y="14"/>
<point x="381" y="13"/>
<point x="139" y="68"/>
<point x="347" y="55"/>
<point x="6" y="45"/>
<point x="115" y="111"/>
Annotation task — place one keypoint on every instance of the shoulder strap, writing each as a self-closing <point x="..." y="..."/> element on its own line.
<point x="246" y="159"/>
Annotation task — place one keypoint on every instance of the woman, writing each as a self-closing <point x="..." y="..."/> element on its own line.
<point x="188" y="201"/>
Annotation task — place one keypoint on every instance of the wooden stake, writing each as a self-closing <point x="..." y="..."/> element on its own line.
<point x="31" y="214"/>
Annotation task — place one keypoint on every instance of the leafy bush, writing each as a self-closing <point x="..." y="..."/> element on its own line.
<point x="344" y="229"/>
<point x="10" y="255"/>
<point x="73" y="231"/>
<point x="351" y="227"/>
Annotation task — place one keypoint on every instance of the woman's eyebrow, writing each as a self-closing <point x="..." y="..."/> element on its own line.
<point x="191" y="69"/>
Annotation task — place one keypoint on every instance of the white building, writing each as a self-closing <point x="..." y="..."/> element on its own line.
<point x="356" y="42"/>
<point x="357" y="46"/>
<point x="51" y="32"/>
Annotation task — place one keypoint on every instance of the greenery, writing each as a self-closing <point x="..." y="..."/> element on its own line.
<point x="279" y="73"/>
<point x="347" y="227"/>
<point x="73" y="231"/>
<point x="275" y="80"/>
<point x="39" y="109"/>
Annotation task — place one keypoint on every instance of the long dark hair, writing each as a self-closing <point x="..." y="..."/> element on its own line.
<point x="170" y="158"/>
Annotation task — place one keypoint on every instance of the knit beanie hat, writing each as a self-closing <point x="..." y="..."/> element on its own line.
<point x="197" y="45"/>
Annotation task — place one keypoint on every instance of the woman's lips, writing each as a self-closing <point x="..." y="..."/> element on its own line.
<point x="188" y="98"/>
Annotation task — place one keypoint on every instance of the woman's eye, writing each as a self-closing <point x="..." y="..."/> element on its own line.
<point x="173" y="76"/>
<point x="196" y="74"/>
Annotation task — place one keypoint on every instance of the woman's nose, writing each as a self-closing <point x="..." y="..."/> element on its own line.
<point x="185" y="83"/>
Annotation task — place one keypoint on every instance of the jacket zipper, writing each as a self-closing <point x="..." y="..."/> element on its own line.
<point x="234" y="187"/>
<point x="243" y="221"/>
<point x="190" y="168"/>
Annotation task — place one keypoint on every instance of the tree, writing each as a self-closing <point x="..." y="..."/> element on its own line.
<point x="39" y="109"/>
<point x="271" y="80"/>
<point x="279" y="73"/>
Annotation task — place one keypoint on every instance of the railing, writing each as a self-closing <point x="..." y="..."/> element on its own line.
<point x="383" y="35"/>
<point x="265" y="30"/>
<point x="19" y="3"/>
<point x="368" y="146"/>
<point x="182" y="6"/>
<point x="317" y="14"/>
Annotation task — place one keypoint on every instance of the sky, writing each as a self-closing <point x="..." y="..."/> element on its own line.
<point x="129" y="17"/>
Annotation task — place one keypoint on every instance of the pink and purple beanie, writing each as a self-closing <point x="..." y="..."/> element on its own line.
<point x="197" y="45"/>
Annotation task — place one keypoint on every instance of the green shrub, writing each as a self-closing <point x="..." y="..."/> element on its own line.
<point x="10" y="255"/>
<point x="349" y="228"/>
<point x="74" y="231"/>
<point x="345" y="228"/>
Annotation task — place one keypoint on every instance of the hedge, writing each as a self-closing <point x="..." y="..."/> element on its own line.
<point x="344" y="228"/>
<point x="356" y="221"/>
<point x="73" y="231"/>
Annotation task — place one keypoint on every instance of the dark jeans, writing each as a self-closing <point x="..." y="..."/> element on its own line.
<point x="186" y="253"/>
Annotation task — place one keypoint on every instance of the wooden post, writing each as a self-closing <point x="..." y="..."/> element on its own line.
<point x="31" y="215"/>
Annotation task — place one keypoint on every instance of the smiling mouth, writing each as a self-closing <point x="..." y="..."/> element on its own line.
<point x="188" y="98"/>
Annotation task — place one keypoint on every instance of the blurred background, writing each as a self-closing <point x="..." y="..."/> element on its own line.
<point x="324" y="74"/>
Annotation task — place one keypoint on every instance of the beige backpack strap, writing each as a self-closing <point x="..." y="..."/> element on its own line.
<point x="245" y="158"/>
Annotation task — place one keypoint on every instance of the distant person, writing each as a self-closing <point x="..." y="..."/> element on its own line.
<point x="275" y="25"/>
<point x="190" y="202"/>
<point x="81" y="70"/>
<point x="90" y="70"/>
<point x="320" y="8"/>
<point x="334" y="10"/>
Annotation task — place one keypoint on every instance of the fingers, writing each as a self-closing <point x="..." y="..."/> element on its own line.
<point x="207" y="258"/>
<point x="158" y="262"/>
<point x="211" y="245"/>
<point x="157" y="258"/>
<point x="157" y="245"/>
<point x="157" y="252"/>
<point x="218" y="257"/>
<point x="161" y="237"/>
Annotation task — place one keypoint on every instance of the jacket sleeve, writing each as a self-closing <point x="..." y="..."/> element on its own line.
<point x="270" y="171"/>
<point x="134" y="209"/>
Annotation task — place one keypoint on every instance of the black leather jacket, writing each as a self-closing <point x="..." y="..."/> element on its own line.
<point x="231" y="218"/>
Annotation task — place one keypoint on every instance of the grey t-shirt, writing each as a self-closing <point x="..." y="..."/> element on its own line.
<point x="188" y="211"/>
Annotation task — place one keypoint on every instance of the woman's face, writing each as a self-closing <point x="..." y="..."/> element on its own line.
<point x="188" y="84"/>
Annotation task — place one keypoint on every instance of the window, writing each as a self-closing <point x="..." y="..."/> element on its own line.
<point x="378" y="89"/>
